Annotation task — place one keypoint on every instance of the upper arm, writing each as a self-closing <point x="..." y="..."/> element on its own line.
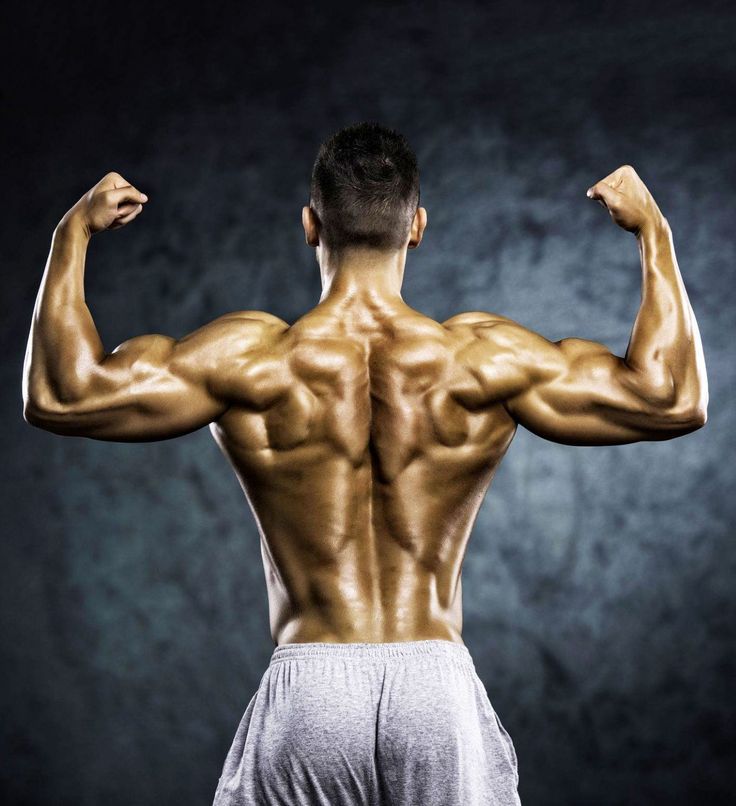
<point x="155" y="387"/>
<point x="577" y="392"/>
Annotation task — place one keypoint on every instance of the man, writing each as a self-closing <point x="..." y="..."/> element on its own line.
<point x="365" y="436"/>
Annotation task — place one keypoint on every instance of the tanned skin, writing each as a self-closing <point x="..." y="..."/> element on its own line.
<point x="366" y="434"/>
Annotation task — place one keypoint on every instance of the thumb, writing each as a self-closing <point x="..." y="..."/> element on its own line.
<point x="602" y="191"/>
<point x="126" y="194"/>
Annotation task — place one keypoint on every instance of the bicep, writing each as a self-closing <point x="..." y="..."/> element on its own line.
<point x="576" y="392"/>
<point x="151" y="387"/>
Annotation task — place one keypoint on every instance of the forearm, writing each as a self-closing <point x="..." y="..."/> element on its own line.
<point x="665" y="349"/>
<point x="63" y="345"/>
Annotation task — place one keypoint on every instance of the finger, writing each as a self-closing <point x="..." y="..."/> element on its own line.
<point x="124" y="219"/>
<point x="127" y="207"/>
<point x="604" y="193"/>
<point x="117" y="180"/>
<point x="121" y="221"/>
<point x="126" y="194"/>
<point x="616" y="177"/>
<point x="111" y="179"/>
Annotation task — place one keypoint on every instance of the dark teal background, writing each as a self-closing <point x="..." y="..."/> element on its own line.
<point x="599" y="582"/>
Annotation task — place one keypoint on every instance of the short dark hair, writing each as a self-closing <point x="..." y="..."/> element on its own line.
<point x="365" y="187"/>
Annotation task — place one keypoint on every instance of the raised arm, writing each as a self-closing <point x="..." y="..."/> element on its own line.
<point x="575" y="391"/>
<point x="151" y="387"/>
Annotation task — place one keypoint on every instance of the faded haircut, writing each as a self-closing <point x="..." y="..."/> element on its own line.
<point x="365" y="188"/>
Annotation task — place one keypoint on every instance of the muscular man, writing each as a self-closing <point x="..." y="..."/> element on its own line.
<point x="365" y="436"/>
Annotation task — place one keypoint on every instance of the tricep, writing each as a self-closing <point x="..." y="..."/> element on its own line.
<point x="580" y="393"/>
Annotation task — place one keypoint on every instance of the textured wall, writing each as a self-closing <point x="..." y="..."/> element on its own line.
<point x="598" y="586"/>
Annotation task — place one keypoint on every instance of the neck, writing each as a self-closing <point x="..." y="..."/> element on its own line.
<point x="361" y="275"/>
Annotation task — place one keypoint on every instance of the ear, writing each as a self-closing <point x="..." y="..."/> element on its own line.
<point x="419" y="222"/>
<point x="311" y="225"/>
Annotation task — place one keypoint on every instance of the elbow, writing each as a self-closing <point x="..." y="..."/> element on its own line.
<point x="33" y="414"/>
<point x="689" y="409"/>
<point x="40" y="416"/>
<point x="32" y="417"/>
<point x="696" y="413"/>
<point x="689" y="418"/>
<point x="679" y="408"/>
<point x="699" y="416"/>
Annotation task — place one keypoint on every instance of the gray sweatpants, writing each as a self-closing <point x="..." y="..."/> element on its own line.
<point x="393" y="724"/>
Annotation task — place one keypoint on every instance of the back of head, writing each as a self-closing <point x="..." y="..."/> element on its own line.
<point x="365" y="188"/>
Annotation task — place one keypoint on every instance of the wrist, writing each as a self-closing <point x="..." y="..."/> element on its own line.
<point x="654" y="228"/>
<point x="72" y="224"/>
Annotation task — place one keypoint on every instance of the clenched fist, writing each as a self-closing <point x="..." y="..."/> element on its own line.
<point x="112" y="203"/>
<point x="627" y="199"/>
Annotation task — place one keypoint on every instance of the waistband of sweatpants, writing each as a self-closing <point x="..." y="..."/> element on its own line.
<point x="438" y="648"/>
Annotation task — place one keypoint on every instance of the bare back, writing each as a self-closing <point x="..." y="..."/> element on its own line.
<point x="365" y="450"/>
<point x="366" y="434"/>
